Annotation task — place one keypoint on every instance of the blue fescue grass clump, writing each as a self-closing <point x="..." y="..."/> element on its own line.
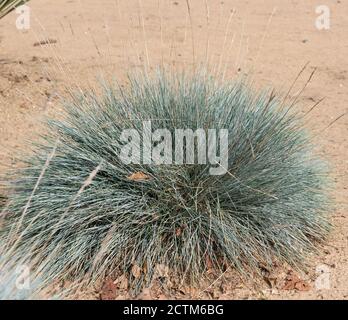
<point x="75" y="214"/>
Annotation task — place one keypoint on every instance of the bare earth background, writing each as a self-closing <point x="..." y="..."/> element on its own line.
<point x="269" y="40"/>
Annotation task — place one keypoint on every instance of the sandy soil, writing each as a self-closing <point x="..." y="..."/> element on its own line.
<point x="266" y="39"/>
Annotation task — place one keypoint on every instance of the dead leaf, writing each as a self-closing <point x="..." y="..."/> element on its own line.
<point x="136" y="271"/>
<point x="138" y="176"/>
<point x="293" y="282"/>
<point x="183" y="290"/>
<point x="145" y="267"/>
<point x="108" y="290"/>
<point x="302" y="286"/>
<point x="178" y="232"/>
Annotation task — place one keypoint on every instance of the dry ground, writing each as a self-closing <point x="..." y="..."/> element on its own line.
<point x="270" y="40"/>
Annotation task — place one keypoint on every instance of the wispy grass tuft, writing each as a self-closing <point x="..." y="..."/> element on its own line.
<point x="86" y="218"/>
<point x="6" y="6"/>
